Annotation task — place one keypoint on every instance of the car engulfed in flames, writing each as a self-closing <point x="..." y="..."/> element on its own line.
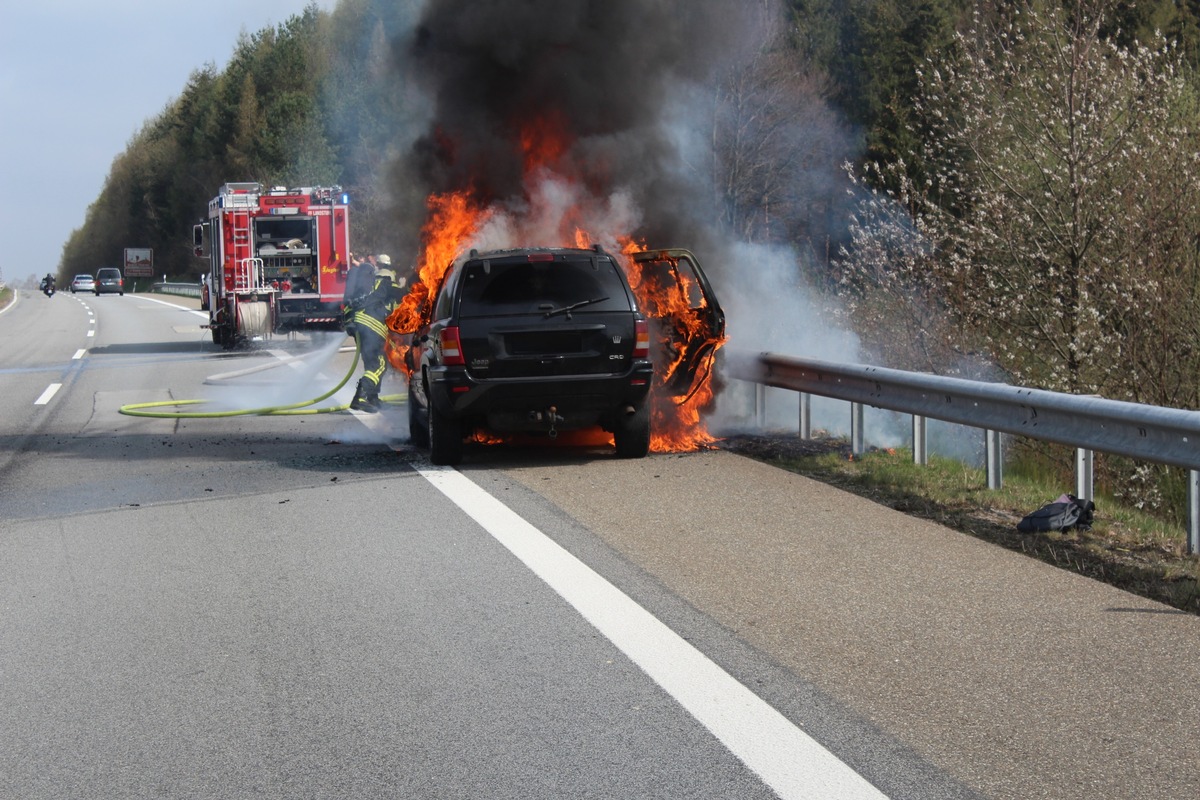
<point x="687" y="325"/>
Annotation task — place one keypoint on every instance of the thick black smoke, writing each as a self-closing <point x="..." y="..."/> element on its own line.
<point x="610" y="75"/>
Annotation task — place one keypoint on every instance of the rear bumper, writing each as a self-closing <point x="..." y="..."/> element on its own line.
<point x="522" y="404"/>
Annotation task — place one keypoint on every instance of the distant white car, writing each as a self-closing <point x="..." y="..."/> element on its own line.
<point x="83" y="283"/>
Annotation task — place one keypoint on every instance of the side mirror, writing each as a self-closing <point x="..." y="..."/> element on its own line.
<point x="198" y="240"/>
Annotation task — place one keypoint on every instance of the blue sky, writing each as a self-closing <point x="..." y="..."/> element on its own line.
<point x="78" y="78"/>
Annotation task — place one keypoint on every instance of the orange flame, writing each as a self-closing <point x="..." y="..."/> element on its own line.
<point x="453" y="219"/>
<point x="544" y="141"/>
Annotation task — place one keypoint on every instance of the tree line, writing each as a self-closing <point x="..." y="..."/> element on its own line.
<point x="1000" y="188"/>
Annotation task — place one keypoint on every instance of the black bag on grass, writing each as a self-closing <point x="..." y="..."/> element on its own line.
<point x="1067" y="512"/>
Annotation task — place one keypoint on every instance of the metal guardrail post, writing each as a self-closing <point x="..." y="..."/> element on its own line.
<point x="1085" y="474"/>
<point x="995" y="460"/>
<point x="920" y="436"/>
<point x="856" y="429"/>
<point x="1193" y="522"/>
<point x="760" y="404"/>
<point x="805" y="415"/>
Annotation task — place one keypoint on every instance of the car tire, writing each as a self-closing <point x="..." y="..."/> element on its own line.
<point x="445" y="438"/>
<point x="631" y="434"/>
<point x="418" y="429"/>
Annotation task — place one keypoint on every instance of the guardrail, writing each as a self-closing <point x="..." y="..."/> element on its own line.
<point x="1147" y="433"/>
<point x="181" y="289"/>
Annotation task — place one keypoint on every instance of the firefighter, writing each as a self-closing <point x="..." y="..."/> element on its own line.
<point x="369" y="312"/>
<point x="359" y="281"/>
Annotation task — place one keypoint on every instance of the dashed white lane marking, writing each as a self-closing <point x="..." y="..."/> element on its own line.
<point x="789" y="761"/>
<point x="91" y="333"/>
<point x="51" y="390"/>
<point x="79" y="354"/>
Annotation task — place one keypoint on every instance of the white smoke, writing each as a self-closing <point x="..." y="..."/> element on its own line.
<point x="303" y="371"/>
<point x="769" y="308"/>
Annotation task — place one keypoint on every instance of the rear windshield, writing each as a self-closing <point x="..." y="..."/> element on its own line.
<point x="527" y="287"/>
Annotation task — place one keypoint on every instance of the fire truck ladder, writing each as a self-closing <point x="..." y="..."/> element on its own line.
<point x="247" y="270"/>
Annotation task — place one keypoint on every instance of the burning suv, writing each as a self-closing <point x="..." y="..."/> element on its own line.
<point x="535" y="340"/>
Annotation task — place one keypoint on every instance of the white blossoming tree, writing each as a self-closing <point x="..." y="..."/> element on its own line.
<point x="1058" y="229"/>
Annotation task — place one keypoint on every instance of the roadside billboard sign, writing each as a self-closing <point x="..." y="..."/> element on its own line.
<point x="139" y="262"/>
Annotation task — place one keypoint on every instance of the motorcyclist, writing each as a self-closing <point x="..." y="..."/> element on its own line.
<point x="48" y="284"/>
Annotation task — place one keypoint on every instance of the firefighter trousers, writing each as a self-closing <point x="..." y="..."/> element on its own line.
<point x="371" y="334"/>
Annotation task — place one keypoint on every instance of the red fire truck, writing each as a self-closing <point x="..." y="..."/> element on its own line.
<point x="277" y="260"/>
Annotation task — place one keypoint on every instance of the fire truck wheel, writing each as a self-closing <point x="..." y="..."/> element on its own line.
<point x="631" y="434"/>
<point x="225" y="337"/>
<point x="445" y="439"/>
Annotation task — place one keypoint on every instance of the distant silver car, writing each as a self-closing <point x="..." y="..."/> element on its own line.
<point x="83" y="283"/>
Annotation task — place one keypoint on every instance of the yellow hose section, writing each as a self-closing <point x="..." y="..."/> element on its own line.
<point x="138" y="409"/>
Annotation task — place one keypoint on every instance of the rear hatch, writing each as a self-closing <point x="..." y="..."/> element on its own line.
<point x="545" y="314"/>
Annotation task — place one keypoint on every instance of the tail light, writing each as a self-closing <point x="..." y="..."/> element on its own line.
<point x="452" y="355"/>
<point x="641" y="346"/>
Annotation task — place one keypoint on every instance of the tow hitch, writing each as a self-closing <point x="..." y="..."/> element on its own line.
<point x="549" y="415"/>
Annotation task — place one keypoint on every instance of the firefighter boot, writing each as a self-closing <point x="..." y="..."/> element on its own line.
<point x="365" y="398"/>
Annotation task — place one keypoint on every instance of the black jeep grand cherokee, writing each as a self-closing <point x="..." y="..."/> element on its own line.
<point x="531" y="341"/>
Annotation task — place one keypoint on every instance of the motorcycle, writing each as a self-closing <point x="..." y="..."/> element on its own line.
<point x="48" y="288"/>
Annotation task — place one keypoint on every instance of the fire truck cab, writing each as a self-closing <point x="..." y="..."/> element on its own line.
<point x="277" y="260"/>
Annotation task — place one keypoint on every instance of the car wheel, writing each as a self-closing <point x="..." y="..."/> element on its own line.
<point x="631" y="434"/>
<point x="445" y="438"/>
<point x="418" y="430"/>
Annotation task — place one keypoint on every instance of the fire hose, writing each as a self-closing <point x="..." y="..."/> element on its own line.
<point x="140" y="409"/>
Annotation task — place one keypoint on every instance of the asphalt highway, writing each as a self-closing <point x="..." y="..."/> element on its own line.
<point x="300" y="606"/>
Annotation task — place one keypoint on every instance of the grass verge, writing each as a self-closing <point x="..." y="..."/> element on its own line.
<point x="1124" y="547"/>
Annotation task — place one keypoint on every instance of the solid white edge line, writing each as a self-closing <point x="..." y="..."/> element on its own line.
<point x="51" y="390"/>
<point x="788" y="761"/>
<point x="11" y="303"/>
